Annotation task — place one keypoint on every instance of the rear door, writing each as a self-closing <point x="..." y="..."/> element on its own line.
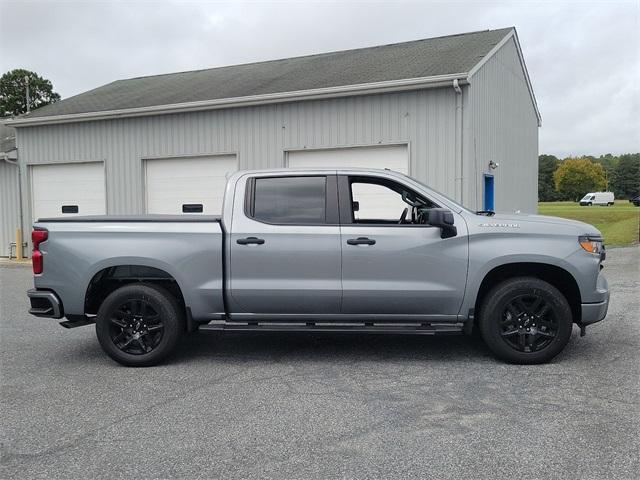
<point x="285" y="247"/>
<point x="392" y="264"/>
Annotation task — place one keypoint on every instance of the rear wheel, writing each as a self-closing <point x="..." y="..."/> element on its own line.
<point x="139" y="325"/>
<point x="525" y="320"/>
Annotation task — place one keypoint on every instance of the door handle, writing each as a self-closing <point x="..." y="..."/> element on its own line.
<point x="361" y="241"/>
<point x="250" y="241"/>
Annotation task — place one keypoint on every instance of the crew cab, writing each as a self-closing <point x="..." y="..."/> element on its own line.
<point x="322" y="250"/>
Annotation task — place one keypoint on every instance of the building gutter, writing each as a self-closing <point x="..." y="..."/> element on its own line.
<point x="16" y="163"/>
<point x="458" y="142"/>
<point x="252" y="100"/>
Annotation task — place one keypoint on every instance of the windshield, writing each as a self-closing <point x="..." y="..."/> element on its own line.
<point x="446" y="197"/>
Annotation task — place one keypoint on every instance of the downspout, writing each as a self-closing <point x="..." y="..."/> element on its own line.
<point x="15" y="163"/>
<point x="458" y="142"/>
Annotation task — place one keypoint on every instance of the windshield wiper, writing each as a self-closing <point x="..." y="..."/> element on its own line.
<point x="488" y="213"/>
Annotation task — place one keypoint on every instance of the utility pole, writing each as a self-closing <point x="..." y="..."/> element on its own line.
<point x="26" y="81"/>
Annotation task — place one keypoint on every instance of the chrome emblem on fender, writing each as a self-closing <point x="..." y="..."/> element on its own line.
<point x="500" y="225"/>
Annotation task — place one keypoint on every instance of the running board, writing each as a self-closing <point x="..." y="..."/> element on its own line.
<point x="413" y="328"/>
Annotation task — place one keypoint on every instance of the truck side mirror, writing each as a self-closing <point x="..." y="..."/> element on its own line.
<point x="443" y="219"/>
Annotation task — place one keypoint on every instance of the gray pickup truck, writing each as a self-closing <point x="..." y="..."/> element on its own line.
<point x="322" y="250"/>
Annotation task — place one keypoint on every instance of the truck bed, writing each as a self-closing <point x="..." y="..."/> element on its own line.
<point x="184" y="249"/>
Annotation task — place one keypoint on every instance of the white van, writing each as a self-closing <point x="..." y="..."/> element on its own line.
<point x="597" y="198"/>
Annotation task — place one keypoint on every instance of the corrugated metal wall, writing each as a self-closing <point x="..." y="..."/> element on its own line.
<point x="258" y="135"/>
<point x="9" y="207"/>
<point x="501" y="125"/>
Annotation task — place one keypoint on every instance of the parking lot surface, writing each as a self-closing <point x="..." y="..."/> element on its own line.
<point x="320" y="406"/>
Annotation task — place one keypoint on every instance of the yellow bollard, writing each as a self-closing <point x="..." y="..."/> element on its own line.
<point x="18" y="244"/>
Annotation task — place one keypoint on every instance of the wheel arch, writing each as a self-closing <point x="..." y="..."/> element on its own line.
<point x="557" y="276"/>
<point x="110" y="278"/>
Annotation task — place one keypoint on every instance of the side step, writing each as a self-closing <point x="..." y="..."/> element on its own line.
<point x="413" y="328"/>
<point x="77" y="321"/>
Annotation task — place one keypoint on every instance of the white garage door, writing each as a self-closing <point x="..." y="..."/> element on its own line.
<point x="394" y="157"/>
<point x="374" y="201"/>
<point x="187" y="185"/>
<point x="59" y="190"/>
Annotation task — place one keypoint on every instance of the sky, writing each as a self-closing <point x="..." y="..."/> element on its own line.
<point x="583" y="57"/>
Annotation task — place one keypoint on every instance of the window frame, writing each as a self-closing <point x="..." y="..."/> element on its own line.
<point x="331" y="213"/>
<point x="345" y="202"/>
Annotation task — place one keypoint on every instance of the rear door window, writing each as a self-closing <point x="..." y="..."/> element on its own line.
<point x="290" y="200"/>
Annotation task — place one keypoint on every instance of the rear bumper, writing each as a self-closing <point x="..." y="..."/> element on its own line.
<point x="45" y="303"/>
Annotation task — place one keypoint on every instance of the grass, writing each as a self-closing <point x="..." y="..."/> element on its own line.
<point x="619" y="223"/>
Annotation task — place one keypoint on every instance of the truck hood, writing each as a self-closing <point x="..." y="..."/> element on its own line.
<point x="554" y="223"/>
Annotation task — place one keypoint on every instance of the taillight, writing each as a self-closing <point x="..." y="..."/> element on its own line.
<point x="37" y="237"/>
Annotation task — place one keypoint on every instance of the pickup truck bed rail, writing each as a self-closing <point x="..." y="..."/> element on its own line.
<point x="135" y="218"/>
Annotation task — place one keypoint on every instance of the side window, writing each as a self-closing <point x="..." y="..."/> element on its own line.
<point x="289" y="200"/>
<point x="375" y="202"/>
<point x="381" y="201"/>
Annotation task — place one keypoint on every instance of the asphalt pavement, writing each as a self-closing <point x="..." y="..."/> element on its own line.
<point x="258" y="406"/>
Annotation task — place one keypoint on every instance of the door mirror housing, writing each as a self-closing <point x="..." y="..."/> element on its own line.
<point x="443" y="219"/>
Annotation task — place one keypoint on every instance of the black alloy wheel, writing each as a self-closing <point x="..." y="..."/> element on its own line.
<point x="525" y="320"/>
<point x="528" y="323"/>
<point x="139" y="324"/>
<point x="136" y="327"/>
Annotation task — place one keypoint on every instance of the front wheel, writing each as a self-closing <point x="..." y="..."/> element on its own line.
<point x="525" y="320"/>
<point x="139" y="325"/>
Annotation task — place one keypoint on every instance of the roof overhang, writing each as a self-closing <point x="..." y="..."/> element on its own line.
<point x="300" y="95"/>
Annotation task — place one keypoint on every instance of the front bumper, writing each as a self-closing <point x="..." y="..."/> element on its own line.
<point x="45" y="303"/>
<point x="594" y="312"/>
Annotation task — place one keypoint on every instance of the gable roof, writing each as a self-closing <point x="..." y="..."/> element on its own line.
<point x="400" y="66"/>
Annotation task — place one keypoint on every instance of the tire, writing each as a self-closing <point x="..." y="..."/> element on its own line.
<point x="138" y="325"/>
<point x="589" y="204"/>
<point x="525" y="320"/>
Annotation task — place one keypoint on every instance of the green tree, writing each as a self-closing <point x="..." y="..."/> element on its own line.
<point x="625" y="179"/>
<point x="577" y="176"/>
<point x="547" y="164"/>
<point x="609" y="163"/>
<point x="13" y="92"/>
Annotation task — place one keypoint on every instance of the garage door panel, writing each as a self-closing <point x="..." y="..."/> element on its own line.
<point x="56" y="185"/>
<point x="394" y="157"/>
<point x="173" y="182"/>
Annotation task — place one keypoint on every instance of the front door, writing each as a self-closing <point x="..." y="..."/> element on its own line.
<point x="392" y="262"/>
<point x="285" y="247"/>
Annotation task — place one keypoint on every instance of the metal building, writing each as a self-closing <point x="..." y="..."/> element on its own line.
<point x="9" y="192"/>
<point x="445" y="110"/>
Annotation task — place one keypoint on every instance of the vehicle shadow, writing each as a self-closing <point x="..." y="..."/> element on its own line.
<point x="292" y="347"/>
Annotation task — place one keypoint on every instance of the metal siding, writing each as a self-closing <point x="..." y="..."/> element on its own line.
<point x="9" y="207"/>
<point x="500" y="124"/>
<point x="259" y="136"/>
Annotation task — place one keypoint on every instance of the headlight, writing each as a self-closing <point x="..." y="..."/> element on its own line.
<point x="591" y="243"/>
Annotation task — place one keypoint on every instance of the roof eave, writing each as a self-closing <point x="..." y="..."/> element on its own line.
<point x="252" y="100"/>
